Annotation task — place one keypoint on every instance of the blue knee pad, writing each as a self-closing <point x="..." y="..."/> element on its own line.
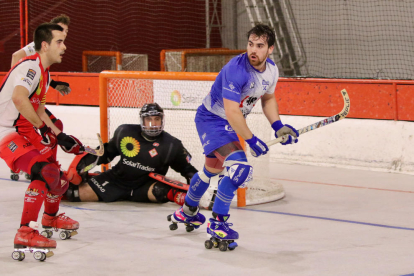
<point x="238" y="169"/>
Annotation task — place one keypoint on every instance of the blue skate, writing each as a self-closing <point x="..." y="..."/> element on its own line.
<point x="222" y="236"/>
<point x="191" y="222"/>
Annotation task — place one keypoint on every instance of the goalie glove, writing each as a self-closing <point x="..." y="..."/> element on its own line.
<point x="61" y="86"/>
<point x="281" y="130"/>
<point x="48" y="137"/>
<point x="257" y="146"/>
<point x="70" y="144"/>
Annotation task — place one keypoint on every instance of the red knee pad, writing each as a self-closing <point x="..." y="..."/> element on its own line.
<point x="51" y="175"/>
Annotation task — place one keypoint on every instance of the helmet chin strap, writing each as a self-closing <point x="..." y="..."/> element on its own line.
<point x="148" y="138"/>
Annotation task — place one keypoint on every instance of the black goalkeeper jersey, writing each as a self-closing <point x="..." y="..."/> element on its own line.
<point x="139" y="157"/>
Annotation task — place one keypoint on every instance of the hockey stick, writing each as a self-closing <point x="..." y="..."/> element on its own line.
<point x="171" y="182"/>
<point x="97" y="152"/>
<point x="324" y="122"/>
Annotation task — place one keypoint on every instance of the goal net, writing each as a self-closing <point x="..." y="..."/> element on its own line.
<point x="179" y="94"/>
<point x="196" y="60"/>
<point x="98" y="61"/>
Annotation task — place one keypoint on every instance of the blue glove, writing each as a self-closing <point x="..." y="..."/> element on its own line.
<point x="257" y="146"/>
<point x="281" y="130"/>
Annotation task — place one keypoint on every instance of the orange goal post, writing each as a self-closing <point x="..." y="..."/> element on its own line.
<point x="123" y="93"/>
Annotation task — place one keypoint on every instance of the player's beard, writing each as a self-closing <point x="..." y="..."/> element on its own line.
<point x="257" y="62"/>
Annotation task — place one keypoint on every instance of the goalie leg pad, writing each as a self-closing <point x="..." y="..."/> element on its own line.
<point x="49" y="173"/>
<point x="160" y="192"/>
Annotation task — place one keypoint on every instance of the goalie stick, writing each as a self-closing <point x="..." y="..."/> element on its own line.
<point x="97" y="152"/>
<point x="321" y="123"/>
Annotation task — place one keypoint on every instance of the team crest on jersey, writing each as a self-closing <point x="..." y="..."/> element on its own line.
<point x="251" y="85"/>
<point x="153" y="152"/>
<point x="12" y="146"/>
<point x="265" y="84"/>
<point x="31" y="74"/>
<point x="155" y="144"/>
<point x="130" y="146"/>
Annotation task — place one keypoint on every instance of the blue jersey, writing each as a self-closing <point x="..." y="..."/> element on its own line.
<point x="240" y="82"/>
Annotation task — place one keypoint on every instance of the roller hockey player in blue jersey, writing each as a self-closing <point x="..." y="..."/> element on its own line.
<point x="240" y="84"/>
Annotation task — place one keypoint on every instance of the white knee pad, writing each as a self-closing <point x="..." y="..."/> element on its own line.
<point x="240" y="173"/>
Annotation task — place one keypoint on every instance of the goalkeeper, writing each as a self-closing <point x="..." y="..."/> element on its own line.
<point x="142" y="149"/>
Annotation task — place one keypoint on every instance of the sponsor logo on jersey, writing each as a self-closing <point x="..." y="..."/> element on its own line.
<point x="98" y="185"/>
<point x="204" y="136"/>
<point x="137" y="165"/>
<point x="175" y="98"/>
<point x="28" y="144"/>
<point x="32" y="192"/>
<point x="231" y="85"/>
<point x="251" y="85"/>
<point x="130" y="146"/>
<point x="228" y="128"/>
<point x="188" y="158"/>
<point x="26" y="80"/>
<point x="35" y="100"/>
<point x="12" y="146"/>
<point x="155" y="144"/>
<point x="153" y="152"/>
<point x="31" y="74"/>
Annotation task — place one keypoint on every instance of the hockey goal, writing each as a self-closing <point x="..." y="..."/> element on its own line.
<point x="122" y="94"/>
<point x="196" y="60"/>
<point x="98" y="61"/>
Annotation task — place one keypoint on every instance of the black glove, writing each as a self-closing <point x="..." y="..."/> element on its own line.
<point x="61" y="86"/>
<point x="70" y="144"/>
<point x="48" y="137"/>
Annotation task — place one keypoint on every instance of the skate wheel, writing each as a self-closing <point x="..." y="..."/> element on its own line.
<point x="173" y="226"/>
<point x="40" y="256"/>
<point x="208" y="244"/>
<point x="64" y="235"/>
<point x="18" y="256"/>
<point x="47" y="234"/>
<point x="223" y="246"/>
<point x="215" y="243"/>
<point x="14" y="177"/>
<point x="27" y="176"/>
<point x="189" y="228"/>
<point x="169" y="217"/>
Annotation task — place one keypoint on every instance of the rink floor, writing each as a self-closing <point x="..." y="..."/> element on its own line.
<point x="331" y="222"/>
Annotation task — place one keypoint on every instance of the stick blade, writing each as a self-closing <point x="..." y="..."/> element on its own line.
<point x="97" y="152"/>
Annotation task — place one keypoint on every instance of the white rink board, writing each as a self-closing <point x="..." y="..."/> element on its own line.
<point x="360" y="143"/>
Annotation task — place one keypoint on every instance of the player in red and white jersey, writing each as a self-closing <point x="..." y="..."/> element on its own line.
<point x="22" y="113"/>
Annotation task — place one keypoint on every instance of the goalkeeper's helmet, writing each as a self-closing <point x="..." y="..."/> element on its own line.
<point x="147" y="110"/>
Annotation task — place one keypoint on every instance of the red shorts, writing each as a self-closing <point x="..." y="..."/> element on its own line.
<point x="14" y="146"/>
<point x="31" y="135"/>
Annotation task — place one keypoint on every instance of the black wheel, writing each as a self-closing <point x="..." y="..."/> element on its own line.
<point x="169" y="217"/>
<point x="173" y="226"/>
<point x="40" y="256"/>
<point x="27" y="176"/>
<point x="18" y="256"/>
<point x="14" y="177"/>
<point x="208" y="244"/>
<point x="189" y="228"/>
<point x="223" y="246"/>
<point x="64" y="235"/>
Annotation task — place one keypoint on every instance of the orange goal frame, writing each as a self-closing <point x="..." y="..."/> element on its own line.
<point x="116" y="54"/>
<point x="103" y="100"/>
<point x="202" y="52"/>
<point x="162" y="54"/>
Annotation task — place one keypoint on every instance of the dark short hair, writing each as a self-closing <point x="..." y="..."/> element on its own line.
<point x="44" y="33"/>
<point x="261" y="30"/>
<point x="63" y="18"/>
